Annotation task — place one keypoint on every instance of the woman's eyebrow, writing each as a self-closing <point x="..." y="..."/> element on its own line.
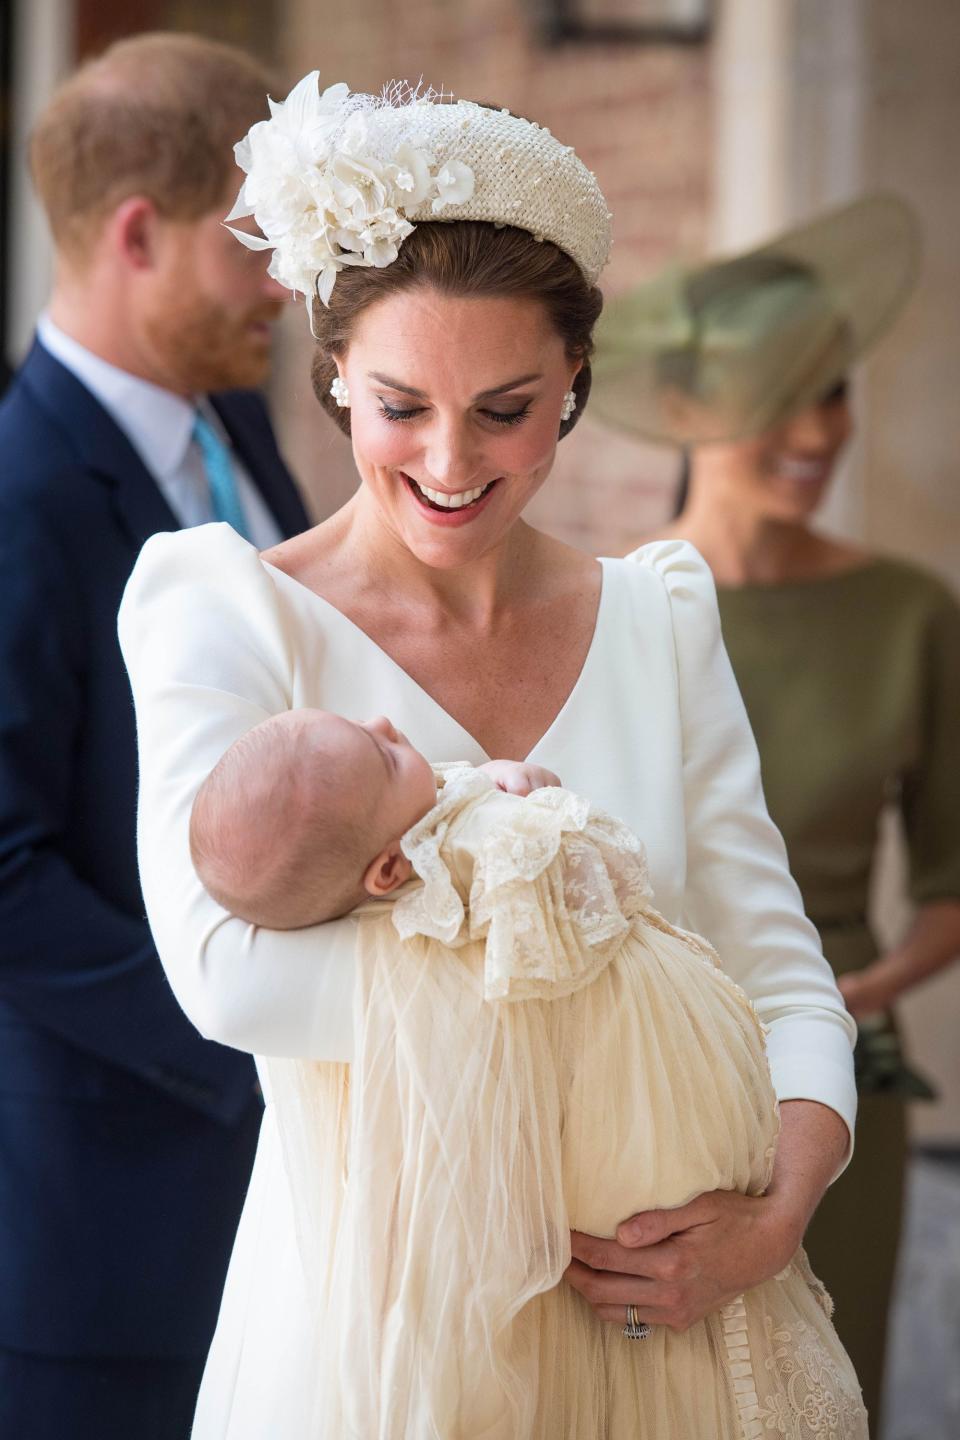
<point x="395" y="384"/>
<point x="421" y="394"/>
<point x="510" y="385"/>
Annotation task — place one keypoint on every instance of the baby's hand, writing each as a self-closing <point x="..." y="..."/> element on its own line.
<point x="518" y="777"/>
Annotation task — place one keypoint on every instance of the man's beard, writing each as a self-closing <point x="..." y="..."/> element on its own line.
<point x="200" y="347"/>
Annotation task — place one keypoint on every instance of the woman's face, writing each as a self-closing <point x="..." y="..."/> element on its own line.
<point x="454" y="412"/>
<point x="784" y="473"/>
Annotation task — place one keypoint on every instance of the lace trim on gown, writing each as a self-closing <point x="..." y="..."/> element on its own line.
<point x="553" y="891"/>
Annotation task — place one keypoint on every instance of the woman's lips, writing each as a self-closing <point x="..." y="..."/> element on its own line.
<point x="797" y="471"/>
<point x="438" y="514"/>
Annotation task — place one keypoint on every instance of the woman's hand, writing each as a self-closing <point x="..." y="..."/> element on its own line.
<point x="678" y="1265"/>
<point x="873" y="989"/>
<point x="932" y="942"/>
<point x="518" y="777"/>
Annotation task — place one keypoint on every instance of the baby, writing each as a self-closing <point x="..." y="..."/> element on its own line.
<point x="302" y="818"/>
<point x="535" y="1050"/>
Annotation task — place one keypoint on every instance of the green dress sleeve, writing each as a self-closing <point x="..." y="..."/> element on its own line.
<point x="930" y="796"/>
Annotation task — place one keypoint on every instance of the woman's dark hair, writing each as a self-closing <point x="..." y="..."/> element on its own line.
<point x="682" y="493"/>
<point x="470" y="258"/>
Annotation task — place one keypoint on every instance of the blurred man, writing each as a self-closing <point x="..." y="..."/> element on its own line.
<point x="126" y="1140"/>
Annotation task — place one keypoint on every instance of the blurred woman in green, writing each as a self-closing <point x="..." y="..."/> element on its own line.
<point x="849" y="662"/>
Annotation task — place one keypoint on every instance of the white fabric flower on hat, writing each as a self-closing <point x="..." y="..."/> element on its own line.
<point x="330" y="183"/>
<point x="455" y="184"/>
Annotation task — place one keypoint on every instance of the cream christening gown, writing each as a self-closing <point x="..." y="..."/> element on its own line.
<point x="536" y="1049"/>
<point x="654" y="732"/>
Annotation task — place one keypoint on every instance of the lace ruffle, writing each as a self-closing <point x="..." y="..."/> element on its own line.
<point x="435" y="908"/>
<point x="555" y="887"/>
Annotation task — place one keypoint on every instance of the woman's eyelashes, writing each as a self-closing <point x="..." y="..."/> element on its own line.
<point x="499" y="417"/>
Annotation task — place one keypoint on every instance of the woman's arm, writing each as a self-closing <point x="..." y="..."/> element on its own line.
<point x="209" y="657"/>
<point x="678" y="1265"/>
<point x="930" y="808"/>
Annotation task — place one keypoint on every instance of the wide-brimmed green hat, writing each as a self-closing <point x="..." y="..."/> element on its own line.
<point x="732" y="347"/>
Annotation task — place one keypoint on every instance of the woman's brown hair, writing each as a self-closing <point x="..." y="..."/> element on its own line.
<point x="471" y="258"/>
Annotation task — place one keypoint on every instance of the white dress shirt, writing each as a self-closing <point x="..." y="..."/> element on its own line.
<point x="159" y="426"/>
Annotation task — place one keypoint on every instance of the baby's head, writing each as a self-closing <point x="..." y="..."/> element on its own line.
<point x="303" y="816"/>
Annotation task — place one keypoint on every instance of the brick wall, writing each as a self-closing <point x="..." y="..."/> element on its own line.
<point x="637" y="115"/>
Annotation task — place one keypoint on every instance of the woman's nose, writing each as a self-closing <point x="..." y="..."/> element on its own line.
<point x="819" y="427"/>
<point x="272" y="290"/>
<point x="450" y="457"/>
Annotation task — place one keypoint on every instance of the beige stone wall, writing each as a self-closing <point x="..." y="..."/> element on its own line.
<point x="911" y="139"/>
<point x="637" y="116"/>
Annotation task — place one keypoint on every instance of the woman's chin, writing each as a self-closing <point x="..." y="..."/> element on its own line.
<point x="795" y="505"/>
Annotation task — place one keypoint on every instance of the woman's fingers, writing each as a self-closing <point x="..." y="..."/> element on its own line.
<point x="657" y="1261"/>
<point x="609" y="1294"/>
<point x="651" y="1226"/>
<point x="601" y="1288"/>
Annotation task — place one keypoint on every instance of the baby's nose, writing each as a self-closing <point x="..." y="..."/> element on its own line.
<point x="382" y="726"/>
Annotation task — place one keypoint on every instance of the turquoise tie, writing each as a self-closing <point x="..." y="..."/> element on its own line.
<point x="220" y="477"/>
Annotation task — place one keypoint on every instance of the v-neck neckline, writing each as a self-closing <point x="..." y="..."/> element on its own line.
<point x="332" y="609"/>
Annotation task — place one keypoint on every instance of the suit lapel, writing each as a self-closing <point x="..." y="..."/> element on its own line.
<point x="103" y="450"/>
<point x="100" y="445"/>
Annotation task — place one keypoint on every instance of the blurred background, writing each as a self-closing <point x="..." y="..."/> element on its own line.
<point x="710" y="124"/>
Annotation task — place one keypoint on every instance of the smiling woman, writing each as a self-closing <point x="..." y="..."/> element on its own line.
<point x="451" y="254"/>
<point x="849" y="661"/>
<point x="455" y="405"/>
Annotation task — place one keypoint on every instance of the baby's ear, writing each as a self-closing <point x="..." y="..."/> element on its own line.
<point x="387" y="872"/>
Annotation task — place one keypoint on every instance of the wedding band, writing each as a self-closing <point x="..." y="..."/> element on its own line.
<point x="635" y="1328"/>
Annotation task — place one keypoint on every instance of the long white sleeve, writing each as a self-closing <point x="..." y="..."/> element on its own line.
<point x="208" y="657"/>
<point x="739" y="891"/>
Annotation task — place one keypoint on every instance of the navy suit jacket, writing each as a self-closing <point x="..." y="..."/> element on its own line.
<point x="126" y="1140"/>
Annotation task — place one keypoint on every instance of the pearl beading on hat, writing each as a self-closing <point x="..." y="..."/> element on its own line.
<point x="523" y="176"/>
<point x="336" y="179"/>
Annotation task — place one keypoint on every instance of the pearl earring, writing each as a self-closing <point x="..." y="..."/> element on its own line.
<point x="340" y="392"/>
<point x="568" y="406"/>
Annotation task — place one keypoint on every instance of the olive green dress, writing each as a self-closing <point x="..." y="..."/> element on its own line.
<point x="852" y="685"/>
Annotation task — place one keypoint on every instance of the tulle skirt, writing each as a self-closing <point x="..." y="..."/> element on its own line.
<point x="436" y="1180"/>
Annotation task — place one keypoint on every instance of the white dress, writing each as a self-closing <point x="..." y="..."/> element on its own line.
<point x="654" y="732"/>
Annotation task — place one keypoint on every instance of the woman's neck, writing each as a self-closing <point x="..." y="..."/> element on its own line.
<point x="355" y="547"/>
<point x="747" y="549"/>
<point x="744" y="546"/>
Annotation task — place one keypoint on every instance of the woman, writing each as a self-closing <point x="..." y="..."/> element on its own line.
<point x="849" y="662"/>
<point x="455" y="354"/>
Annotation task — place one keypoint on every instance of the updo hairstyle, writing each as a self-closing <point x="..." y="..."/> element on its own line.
<point x="465" y="258"/>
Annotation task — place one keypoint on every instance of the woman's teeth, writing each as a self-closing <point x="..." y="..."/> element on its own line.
<point x="451" y="502"/>
<point x="802" y="470"/>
